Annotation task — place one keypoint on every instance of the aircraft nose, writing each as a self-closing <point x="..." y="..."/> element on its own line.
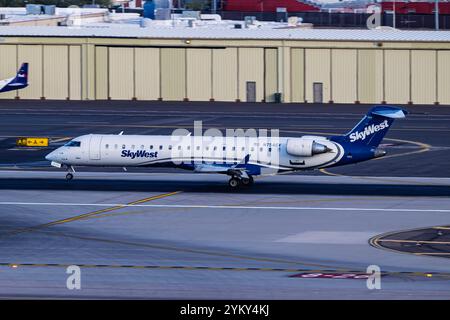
<point x="51" y="156"/>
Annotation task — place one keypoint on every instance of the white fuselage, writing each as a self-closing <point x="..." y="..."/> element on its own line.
<point x="268" y="155"/>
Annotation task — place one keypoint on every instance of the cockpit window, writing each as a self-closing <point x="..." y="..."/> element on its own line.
<point x="73" y="144"/>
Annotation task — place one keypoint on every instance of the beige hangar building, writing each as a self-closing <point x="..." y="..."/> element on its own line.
<point x="199" y="64"/>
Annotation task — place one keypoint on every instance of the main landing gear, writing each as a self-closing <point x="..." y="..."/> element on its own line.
<point x="235" y="182"/>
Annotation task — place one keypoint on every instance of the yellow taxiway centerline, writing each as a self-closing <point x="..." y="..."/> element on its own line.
<point x="90" y="214"/>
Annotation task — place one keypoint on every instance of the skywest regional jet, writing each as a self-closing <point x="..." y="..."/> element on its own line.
<point x="19" y="81"/>
<point x="242" y="158"/>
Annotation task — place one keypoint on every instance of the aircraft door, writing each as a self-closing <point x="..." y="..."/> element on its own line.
<point x="94" y="147"/>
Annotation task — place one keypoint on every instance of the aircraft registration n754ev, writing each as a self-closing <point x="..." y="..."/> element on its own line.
<point x="241" y="158"/>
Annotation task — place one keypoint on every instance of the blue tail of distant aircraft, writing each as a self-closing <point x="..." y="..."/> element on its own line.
<point x="22" y="75"/>
<point x="373" y="127"/>
<point x="20" y="81"/>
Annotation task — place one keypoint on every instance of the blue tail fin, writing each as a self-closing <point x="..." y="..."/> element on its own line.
<point x="374" y="126"/>
<point x="21" y="76"/>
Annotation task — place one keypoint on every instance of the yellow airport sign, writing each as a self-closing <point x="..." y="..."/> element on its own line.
<point x="32" y="142"/>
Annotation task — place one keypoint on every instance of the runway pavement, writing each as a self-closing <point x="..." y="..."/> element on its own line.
<point x="177" y="236"/>
<point x="156" y="234"/>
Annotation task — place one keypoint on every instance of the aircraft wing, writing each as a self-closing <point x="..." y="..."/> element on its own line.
<point x="210" y="168"/>
<point x="237" y="170"/>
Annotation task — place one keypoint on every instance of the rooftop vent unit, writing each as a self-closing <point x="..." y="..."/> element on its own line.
<point x="49" y="10"/>
<point x="250" y="22"/>
<point x="191" y="14"/>
<point x="34" y="9"/>
<point x="192" y="23"/>
<point x="282" y="15"/>
<point x="293" y="21"/>
<point x="162" y="14"/>
<point x="37" y="9"/>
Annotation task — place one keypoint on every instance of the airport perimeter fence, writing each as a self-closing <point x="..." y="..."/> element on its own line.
<point x="349" y="20"/>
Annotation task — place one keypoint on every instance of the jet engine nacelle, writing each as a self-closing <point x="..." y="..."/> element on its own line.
<point x="305" y="147"/>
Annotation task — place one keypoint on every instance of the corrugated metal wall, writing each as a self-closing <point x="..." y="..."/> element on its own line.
<point x="397" y="76"/>
<point x="443" y="77"/>
<point x="298" y="75"/>
<point x="344" y="75"/>
<point x="225" y="70"/>
<point x="101" y="73"/>
<point x="317" y="70"/>
<point x="199" y="74"/>
<point x="251" y="69"/>
<point x="33" y="55"/>
<point x="56" y="75"/>
<point x="147" y="73"/>
<point x="367" y="75"/>
<point x="173" y="74"/>
<point x="121" y="73"/>
<point x="75" y="73"/>
<point x="270" y="74"/>
<point x="423" y="76"/>
<point x="370" y="76"/>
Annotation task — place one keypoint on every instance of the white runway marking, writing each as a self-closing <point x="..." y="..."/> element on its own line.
<point x="330" y="237"/>
<point x="194" y="206"/>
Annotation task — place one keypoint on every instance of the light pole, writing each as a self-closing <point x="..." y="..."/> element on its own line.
<point x="436" y="14"/>
<point x="393" y="17"/>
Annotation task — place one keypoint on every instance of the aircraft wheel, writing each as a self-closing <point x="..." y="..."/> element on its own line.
<point x="247" y="181"/>
<point x="234" y="183"/>
<point x="69" y="176"/>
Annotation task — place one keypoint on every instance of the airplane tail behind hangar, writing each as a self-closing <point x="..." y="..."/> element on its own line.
<point x="371" y="130"/>
<point x="22" y="75"/>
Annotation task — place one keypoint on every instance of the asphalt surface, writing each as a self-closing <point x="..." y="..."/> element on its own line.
<point x="191" y="238"/>
<point x="417" y="146"/>
<point x="154" y="234"/>
<point x="431" y="241"/>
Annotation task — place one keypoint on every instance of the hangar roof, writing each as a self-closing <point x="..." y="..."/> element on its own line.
<point x="135" y="31"/>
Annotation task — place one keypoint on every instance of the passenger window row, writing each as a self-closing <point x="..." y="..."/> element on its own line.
<point x="261" y="149"/>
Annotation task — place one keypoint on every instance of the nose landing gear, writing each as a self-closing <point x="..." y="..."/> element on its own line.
<point x="69" y="175"/>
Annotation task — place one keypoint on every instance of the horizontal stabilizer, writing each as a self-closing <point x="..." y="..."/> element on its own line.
<point x="389" y="112"/>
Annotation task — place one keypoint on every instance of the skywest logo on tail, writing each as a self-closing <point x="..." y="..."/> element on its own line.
<point x="369" y="130"/>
